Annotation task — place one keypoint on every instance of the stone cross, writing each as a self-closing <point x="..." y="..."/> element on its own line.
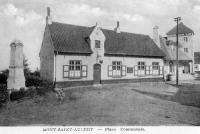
<point x="16" y="78"/>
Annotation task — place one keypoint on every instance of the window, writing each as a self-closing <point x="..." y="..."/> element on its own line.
<point x="155" y="65"/>
<point x="141" y="65"/>
<point x="171" y="67"/>
<point x="116" y="69"/>
<point x="97" y="44"/>
<point x="186" y="50"/>
<point x="74" y="70"/>
<point x="185" y="39"/>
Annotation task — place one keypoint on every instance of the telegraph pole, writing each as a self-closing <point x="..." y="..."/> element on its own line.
<point x="177" y="19"/>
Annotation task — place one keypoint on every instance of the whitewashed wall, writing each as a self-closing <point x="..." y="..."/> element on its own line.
<point x="91" y="60"/>
<point x="128" y="62"/>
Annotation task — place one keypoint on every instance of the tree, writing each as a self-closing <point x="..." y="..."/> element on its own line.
<point x="4" y="76"/>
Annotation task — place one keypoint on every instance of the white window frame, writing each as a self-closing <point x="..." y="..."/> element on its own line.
<point x="75" y="69"/>
<point x="97" y="44"/>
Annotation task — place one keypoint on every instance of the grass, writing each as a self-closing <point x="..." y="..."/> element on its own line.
<point x="114" y="104"/>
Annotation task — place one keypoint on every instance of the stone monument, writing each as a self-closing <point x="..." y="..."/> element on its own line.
<point x="16" y="78"/>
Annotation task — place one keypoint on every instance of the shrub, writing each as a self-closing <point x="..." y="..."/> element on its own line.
<point x="32" y="80"/>
<point x="17" y="95"/>
<point x="3" y="94"/>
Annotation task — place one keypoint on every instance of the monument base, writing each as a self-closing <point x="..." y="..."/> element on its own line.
<point x="16" y="79"/>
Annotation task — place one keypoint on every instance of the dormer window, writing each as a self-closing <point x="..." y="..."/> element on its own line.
<point x="97" y="44"/>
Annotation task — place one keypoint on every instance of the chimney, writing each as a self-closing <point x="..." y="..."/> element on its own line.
<point x="48" y="17"/>
<point x="156" y="37"/>
<point x="117" y="29"/>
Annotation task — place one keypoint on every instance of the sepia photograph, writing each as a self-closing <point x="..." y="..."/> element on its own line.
<point x="99" y="63"/>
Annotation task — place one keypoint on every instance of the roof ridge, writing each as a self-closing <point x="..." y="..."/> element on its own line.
<point x="72" y="24"/>
<point x="101" y="28"/>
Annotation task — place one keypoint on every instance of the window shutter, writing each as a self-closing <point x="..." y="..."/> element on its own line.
<point x="160" y="70"/>
<point x="84" y="70"/>
<point x="136" y="70"/>
<point x="147" y="70"/>
<point x="150" y="70"/>
<point x="65" y="71"/>
<point x="123" y="70"/>
<point x="110" y="71"/>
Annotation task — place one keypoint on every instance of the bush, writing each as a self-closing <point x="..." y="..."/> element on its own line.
<point x="17" y="95"/>
<point x="4" y="76"/>
<point x="3" y="94"/>
<point x="32" y="80"/>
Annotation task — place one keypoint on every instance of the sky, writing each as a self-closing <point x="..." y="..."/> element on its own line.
<point x="24" y="20"/>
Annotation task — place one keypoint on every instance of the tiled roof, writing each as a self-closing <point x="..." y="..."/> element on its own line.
<point x="74" y="39"/>
<point x="196" y="57"/>
<point x="182" y="29"/>
<point x="70" y="38"/>
<point x="170" y="54"/>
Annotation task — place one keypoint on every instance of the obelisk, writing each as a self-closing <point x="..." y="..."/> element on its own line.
<point x="16" y="78"/>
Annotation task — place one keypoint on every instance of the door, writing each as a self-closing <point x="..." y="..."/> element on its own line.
<point x="186" y="69"/>
<point x="97" y="73"/>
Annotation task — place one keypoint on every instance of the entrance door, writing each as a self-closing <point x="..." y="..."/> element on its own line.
<point x="186" y="69"/>
<point x="97" y="73"/>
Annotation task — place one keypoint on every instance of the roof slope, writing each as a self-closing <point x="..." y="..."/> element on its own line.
<point x="74" y="39"/>
<point x="171" y="54"/>
<point x="196" y="57"/>
<point x="70" y="38"/>
<point x="130" y="44"/>
<point x="182" y="29"/>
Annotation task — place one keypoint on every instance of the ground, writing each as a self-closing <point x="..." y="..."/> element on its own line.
<point x="143" y="104"/>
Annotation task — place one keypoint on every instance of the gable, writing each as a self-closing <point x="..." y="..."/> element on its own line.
<point x="182" y="29"/>
<point x="47" y="46"/>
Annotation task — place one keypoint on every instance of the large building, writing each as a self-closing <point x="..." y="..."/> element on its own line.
<point x="185" y="51"/>
<point x="73" y="55"/>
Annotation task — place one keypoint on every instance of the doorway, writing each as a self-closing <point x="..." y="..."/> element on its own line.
<point x="97" y="73"/>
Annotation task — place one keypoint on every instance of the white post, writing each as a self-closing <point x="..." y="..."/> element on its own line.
<point x="16" y="78"/>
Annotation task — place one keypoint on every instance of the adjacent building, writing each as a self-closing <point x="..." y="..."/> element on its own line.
<point x="74" y="55"/>
<point x="185" y="51"/>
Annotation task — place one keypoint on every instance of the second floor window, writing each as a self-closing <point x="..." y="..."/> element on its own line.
<point x="185" y="39"/>
<point x="97" y="44"/>
<point x="186" y="50"/>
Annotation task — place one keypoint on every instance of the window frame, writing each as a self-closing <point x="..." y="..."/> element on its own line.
<point x="116" y="66"/>
<point x="155" y="67"/>
<point x="185" y="39"/>
<point x="139" y="65"/>
<point x="97" y="43"/>
<point x="186" y="50"/>
<point x="75" y="67"/>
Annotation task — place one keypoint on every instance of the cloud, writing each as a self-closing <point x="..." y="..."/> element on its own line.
<point x="27" y="26"/>
<point x="10" y="9"/>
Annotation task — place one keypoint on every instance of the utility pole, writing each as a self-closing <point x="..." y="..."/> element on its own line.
<point x="177" y="19"/>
